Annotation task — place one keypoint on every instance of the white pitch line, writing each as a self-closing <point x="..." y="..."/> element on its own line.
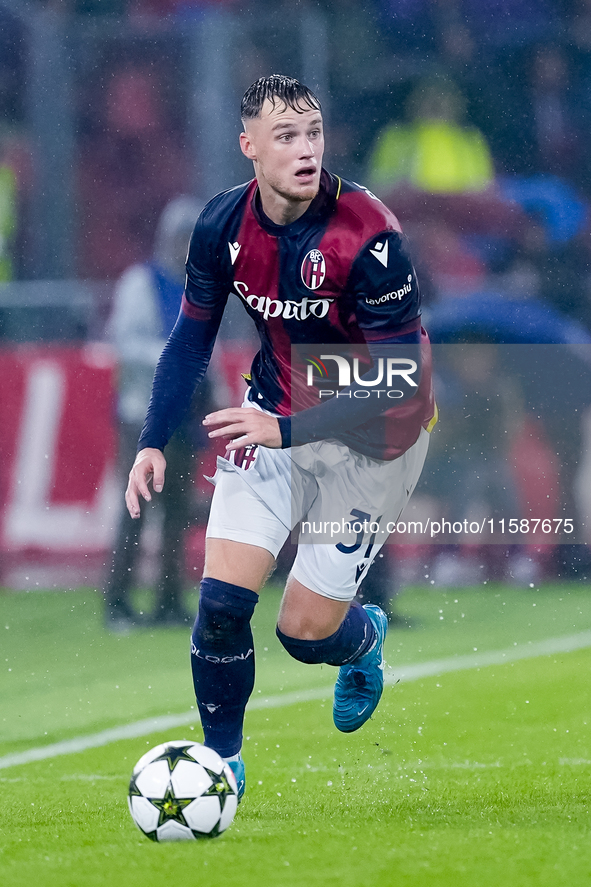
<point x="565" y="644"/>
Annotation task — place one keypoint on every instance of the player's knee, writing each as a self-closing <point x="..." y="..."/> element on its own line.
<point x="224" y="611"/>
<point x="354" y="635"/>
<point x="214" y="626"/>
<point x="309" y="652"/>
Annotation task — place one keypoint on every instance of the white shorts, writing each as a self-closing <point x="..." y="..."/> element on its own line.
<point x="341" y="500"/>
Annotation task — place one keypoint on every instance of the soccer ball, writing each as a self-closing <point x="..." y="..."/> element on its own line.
<point x="182" y="790"/>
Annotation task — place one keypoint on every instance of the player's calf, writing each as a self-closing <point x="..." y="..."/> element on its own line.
<point x="222" y="660"/>
<point x="357" y="648"/>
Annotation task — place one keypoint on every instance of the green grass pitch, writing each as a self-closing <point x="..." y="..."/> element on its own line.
<point x="477" y="777"/>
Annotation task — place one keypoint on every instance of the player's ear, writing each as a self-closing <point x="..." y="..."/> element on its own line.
<point x="247" y="147"/>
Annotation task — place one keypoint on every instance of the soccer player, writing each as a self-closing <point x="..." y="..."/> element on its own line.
<point x="314" y="259"/>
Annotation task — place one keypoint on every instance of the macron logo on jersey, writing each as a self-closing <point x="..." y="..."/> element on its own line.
<point x="234" y="250"/>
<point x="380" y="252"/>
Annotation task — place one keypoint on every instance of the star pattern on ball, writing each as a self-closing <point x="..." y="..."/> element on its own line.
<point x="171" y="807"/>
<point x="133" y="789"/>
<point x="220" y="787"/>
<point x="175" y="753"/>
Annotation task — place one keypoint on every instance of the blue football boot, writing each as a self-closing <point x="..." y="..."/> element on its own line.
<point x="238" y="770"/>
<point x="360" y="683"/>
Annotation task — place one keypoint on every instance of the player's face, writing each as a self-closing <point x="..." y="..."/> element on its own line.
<point x="286" y="147"/>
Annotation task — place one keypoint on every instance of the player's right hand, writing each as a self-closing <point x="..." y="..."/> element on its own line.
<point x="149" y="465"/>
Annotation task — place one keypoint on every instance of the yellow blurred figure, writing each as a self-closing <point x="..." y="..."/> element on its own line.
<point x="8" y="190"/>
<point x="434" y="152"/>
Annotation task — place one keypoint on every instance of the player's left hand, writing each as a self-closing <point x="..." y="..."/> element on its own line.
<point x="244" y="427"/>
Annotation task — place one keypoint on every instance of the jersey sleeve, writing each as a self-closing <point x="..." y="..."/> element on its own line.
<point x="384" y="287"/>
<point x="208" y="279"/>
<point x="186" y="355"/>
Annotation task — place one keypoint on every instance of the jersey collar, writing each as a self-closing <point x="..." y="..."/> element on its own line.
<point x="322" y="205"/>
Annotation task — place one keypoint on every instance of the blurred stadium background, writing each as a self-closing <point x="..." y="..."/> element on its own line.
<point x="469" y="118"/>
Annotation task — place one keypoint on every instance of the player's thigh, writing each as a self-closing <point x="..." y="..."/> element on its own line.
<point x="348" y="523"/>
<point x="248" y="566"/>
<point x="244" y="536"/>
<point x="307" y="615"/>
<point x="332" y="573"/>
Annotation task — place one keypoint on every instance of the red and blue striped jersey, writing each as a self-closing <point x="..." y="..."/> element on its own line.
<point x="338" y="275"/>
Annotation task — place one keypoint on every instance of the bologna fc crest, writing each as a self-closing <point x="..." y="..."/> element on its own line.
<point x="244" y="457"/>
<point x="313" y="269"/>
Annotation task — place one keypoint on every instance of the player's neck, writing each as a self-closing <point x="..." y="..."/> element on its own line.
<point x="281" y="210"/>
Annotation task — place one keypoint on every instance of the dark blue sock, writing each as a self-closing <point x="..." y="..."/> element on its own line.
<point x="351" y="640"/>
<point x="222" y="660"/>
